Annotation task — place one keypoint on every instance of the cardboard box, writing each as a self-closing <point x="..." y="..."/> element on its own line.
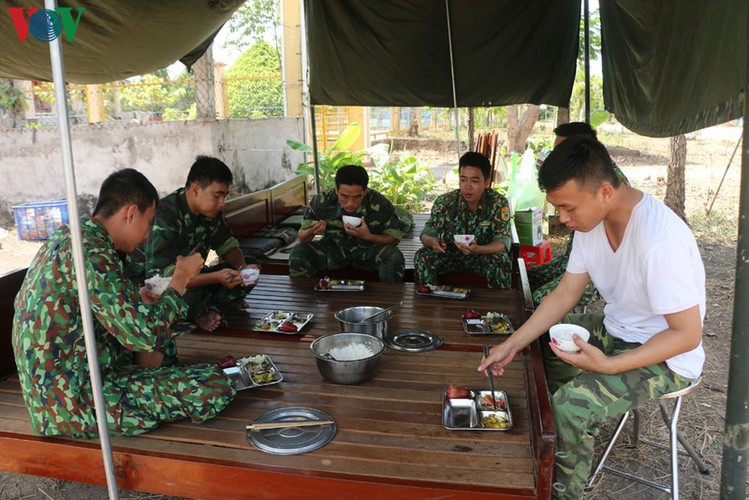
<point x="529" y="224"/>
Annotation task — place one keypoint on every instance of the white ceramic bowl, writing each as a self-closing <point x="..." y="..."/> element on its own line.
<point x="157" y="285"/>
<point x="465" y="239"/>
<point x="354" y="221"/>
<point x="250" y="275"/>
<point x="561" y="336"/>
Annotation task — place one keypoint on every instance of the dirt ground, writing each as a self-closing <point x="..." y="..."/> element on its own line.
<point x="644" y="162"/>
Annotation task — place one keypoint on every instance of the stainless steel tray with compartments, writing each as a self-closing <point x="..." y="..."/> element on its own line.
<point x="256" y="370"/>
<point x="274" y="320"/>
<point x="476" y="412"/>
<point x="491" y="323"/>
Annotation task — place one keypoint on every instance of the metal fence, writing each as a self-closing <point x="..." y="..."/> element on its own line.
<point x="149" y="99"/>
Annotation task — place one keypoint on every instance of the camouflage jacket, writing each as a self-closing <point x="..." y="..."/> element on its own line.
<point x="48" y="340"/>
<point x="176" y="231"/>
<point x="451" y="215"/>
<point x="377" y="211"/>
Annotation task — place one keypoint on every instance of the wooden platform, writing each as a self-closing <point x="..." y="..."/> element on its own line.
<point x="390" y="441"/>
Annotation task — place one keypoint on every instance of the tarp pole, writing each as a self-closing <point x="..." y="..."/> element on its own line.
<point x="452" y="79"/>
<point x="736" y="434"/>
<point x="313" y="127"/>
<point x="586" y="50"/>
<point x="725" y="172"/>
<point x="58" y="78"/>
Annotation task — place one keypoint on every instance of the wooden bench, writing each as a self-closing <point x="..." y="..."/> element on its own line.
<point x="248" y="214"/>
<point x="390" y="441"/>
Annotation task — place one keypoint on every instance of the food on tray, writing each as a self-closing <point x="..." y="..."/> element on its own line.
<point x="494" y="421"/>
<point x="458" y="392"/>
<point x="425" y="289"/>
<point x="498" y="322"/>
<point x="265" y="377"/>
<point x="288" y="327"/>
<point x="268" y="325"/>
<point x="227" y="362"/>
<point x="279" y="315"/>
<point x="323" y="284"/>
<point x="471" y="314"/>
<point x="255" y="363"/>
<point x="486" y="403"/>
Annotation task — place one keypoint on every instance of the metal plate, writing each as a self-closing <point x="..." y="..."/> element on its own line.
<point x="488" y="326"/>
<point x="413" y="341"/>
<point x="252" y="371"/>
<point x="292" y="440"/>
<point x="342" y="286"/>
<point x="274" y="319"/>
<point x="467" y="414"/>
<point x="447" y="292"/>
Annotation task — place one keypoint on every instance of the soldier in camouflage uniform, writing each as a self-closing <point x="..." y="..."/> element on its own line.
<point x="192" y="216"/>
<point x="646" y="265"/>
<point x="130" y="328"/>
<point x="371" y="246"/>
<point x="544" y="278"/>
<point x="474" y="209"/>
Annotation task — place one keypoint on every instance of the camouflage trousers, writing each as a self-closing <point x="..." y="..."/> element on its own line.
<point x="326" y="255"/>
<point x="213" y="297"/>
<point x="544" y="278"/>
<point x="139" y="399"/>
<point x="429" y="265"/>
<point x="582" y="401"/>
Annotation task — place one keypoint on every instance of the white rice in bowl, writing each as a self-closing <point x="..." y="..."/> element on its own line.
<point x="351" y="352"/>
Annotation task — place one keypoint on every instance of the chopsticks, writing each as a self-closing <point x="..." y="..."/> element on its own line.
<point x="491" y="377"/>
<point x="283" y="425"/>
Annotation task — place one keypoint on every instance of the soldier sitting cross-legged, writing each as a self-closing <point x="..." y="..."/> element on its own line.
<point x="130" y="325"/>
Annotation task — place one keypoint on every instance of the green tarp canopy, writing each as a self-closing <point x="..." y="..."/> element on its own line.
<point x="114" y="40"/>
<point x="668" y="67"/>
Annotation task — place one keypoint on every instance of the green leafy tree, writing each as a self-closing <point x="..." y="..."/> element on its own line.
<point x="254" y="84"/>
<point x="157" y="94"/>
<point x="255" y="21"/>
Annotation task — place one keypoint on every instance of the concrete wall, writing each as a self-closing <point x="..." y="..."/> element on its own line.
<point x="255" y="150"/>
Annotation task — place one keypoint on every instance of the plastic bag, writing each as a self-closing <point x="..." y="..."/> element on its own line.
<point x="523" y="191"/>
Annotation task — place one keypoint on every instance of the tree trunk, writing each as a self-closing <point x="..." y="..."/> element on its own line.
<point x="563" y="116"/>
<point x="433" y="119"/>
<point x="395" y="120"/>
<point x="518" y="129"/>
<point x="205" y="93"/>
<point x="414" y="122"/>
<point x="675" y="183"/>
<point x="471" y="130"/>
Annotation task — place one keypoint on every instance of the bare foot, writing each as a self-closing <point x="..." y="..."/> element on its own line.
<point x="209" y="321"/>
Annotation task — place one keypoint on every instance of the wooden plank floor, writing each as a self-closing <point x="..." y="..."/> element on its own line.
<point x="390" y="439"/>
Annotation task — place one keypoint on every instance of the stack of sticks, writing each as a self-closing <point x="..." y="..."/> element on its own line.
<point x="488" y="144"/>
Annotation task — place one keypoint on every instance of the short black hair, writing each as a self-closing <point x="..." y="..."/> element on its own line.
<point x="473" y="159"/>
<point x="573" y="129"/>
<point x="352" y="175"/>
<point x="207" y="170"/>
<point x="580" y="158"/>
<point x="122" y="188"/>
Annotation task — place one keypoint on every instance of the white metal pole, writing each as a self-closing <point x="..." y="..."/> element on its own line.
<point x="58" y="77"/>
<point x="452" y="78"/>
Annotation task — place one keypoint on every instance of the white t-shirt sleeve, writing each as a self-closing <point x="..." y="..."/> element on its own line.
<point x="671" y="286"/>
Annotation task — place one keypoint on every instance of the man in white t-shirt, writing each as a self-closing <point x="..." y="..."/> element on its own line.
<point x="645" y="262"/>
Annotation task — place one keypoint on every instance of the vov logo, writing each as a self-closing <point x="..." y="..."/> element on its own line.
<point x="44" y="24"/>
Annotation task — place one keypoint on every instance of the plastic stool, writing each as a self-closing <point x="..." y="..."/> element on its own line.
<point x="675" y="435"/>
<point x="534" y="255"/>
